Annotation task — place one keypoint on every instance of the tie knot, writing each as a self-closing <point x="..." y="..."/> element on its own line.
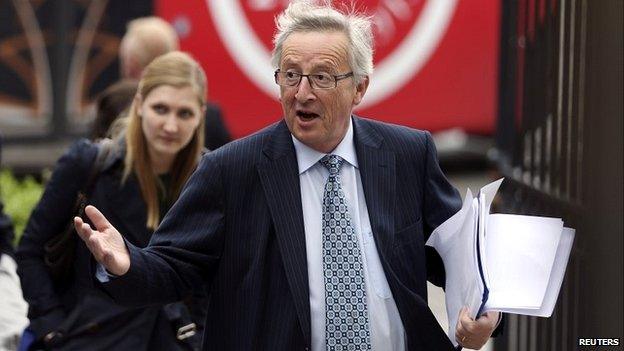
<point x="332" y="163"/>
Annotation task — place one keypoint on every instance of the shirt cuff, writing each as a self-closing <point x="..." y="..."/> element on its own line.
<point x="102" y="275"/>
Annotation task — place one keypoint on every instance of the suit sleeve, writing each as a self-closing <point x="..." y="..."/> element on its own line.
<point x="51" y="215"/>
<point x="441" y="201"/>
<point x="185" y="249"/>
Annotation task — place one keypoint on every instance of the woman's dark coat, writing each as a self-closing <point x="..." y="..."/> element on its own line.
<point x="88" y="317"/>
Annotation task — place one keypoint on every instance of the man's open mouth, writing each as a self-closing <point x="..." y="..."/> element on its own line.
<point x="306" y="116"/>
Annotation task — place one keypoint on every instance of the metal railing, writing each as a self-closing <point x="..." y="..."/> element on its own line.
<point x="543" y="149"/>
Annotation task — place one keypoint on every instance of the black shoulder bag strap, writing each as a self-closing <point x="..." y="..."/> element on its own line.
<point x="59" y="250"/>
<point x="183" y="326"/>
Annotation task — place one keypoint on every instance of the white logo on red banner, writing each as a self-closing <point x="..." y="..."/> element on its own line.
<point x="391" y="73"/>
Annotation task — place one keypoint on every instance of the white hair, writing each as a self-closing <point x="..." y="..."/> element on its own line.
<point x="308" y="16"/>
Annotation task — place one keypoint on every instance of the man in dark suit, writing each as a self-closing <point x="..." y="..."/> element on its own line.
<point x="310" y="233"/>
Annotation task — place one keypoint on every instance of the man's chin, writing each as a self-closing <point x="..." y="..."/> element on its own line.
<point x="306" y="137"/>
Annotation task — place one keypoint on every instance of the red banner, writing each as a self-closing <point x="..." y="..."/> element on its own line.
<point x="436" y="61"/>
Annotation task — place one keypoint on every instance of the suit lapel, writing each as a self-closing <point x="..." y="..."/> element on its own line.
<point x="280" y="180"/>
<point x="378" y="173"/>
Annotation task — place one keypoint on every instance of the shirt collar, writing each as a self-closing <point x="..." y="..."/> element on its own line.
<point x="308" y="157"/>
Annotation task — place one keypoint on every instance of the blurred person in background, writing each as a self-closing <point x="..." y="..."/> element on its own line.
<point x="146" y="38"/>
<point x="112" y="103"/>
<point x="142" y="175"/>
<point x="12" y="306"/>
<point x="149" y="37"/>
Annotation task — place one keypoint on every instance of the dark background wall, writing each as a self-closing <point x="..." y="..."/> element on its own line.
<point x="55" y="57"/>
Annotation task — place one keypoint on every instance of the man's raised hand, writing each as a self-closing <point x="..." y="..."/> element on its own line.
<point x="105" y="242"/>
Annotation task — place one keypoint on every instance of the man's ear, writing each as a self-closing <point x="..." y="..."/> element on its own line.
<point x="360" y="90"/>
<point x="134" y="68"/>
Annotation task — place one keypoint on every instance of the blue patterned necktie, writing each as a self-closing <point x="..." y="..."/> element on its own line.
<point x="346" y="313"/>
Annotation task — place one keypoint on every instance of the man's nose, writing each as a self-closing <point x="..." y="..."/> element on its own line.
<point x="304" y="90"/>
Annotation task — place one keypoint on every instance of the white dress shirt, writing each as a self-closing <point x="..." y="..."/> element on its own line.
<point x="385" y="324"/>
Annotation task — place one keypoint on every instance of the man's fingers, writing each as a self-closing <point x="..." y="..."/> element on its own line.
<point x="473" y="334"/>
<point x="464" y="314"/>
<point x="79" y="225"/>
<point x="97" y="218"/>
<point x="459" y="337"/>
<point x="460" y="331"/>
<point x="86" y="234"/>
<point x="489" y="316"/>
<point x="465" y="323"/>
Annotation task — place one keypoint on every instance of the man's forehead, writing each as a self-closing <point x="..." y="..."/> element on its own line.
<point x="327" y="37"/>
<point x="319" y="48"/>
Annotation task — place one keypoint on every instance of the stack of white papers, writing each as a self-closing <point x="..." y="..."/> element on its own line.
<point x="500" y="262"/>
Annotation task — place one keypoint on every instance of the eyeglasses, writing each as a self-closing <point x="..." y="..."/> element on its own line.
<point x="316" y="80"/>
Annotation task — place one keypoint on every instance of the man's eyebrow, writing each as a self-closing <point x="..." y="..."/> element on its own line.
<point x="323" y="67"/>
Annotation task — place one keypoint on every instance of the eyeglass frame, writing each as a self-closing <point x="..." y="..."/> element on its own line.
<point x="336" y="79"/>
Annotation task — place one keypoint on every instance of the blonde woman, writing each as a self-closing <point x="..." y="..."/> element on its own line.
<point x="151" y="159"/>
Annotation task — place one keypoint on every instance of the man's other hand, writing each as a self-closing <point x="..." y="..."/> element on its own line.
<point x="105" y="242"/>
<point x="473" y="334"/>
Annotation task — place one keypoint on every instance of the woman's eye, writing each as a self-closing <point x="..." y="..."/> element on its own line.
<point x="160" y="109"/>
<point x="184" y="114"/>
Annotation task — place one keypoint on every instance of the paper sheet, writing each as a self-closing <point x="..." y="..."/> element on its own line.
<point x="455" y="240"/>
<point x="520" y="253"/>
<point x="555" y="280"/>
<point x="486" y="196"/>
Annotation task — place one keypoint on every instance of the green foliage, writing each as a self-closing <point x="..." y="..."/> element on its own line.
<point x="19" y="198"/>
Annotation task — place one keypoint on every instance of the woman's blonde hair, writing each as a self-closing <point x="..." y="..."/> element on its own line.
<point x="178" y="70"/>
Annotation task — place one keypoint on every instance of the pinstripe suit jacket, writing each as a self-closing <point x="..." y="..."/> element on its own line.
<point x="237" y="230"/>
